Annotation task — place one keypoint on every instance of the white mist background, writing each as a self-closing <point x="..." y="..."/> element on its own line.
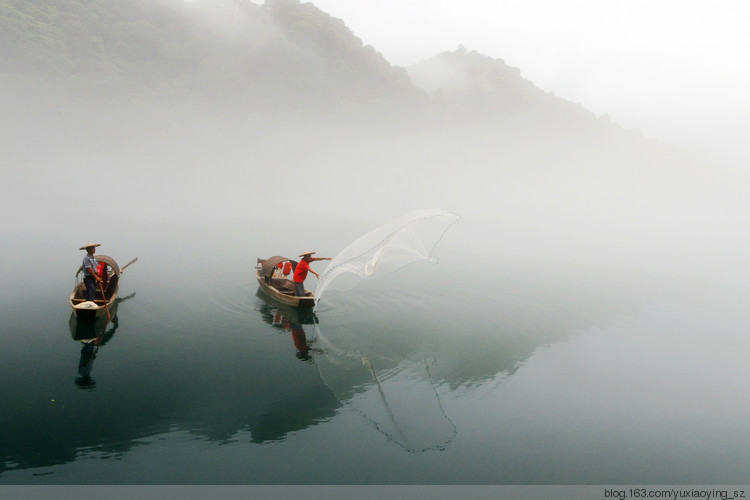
<point x="676" y="70"/>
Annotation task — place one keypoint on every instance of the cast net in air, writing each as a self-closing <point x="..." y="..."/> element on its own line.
<point x="406" y="240"/>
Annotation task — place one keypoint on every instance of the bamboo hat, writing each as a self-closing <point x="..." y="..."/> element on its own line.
<point x="306" y="253"/>
<point x="89" y="245"/>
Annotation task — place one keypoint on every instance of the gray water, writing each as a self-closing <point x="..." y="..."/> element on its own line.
<point x="580" y="327"/>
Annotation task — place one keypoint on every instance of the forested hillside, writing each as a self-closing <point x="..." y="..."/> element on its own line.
<point x="235" y="55"/>
<point x="468" y="86"/>
<point x="242" y="58"/>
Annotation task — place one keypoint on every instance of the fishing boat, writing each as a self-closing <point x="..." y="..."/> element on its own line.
<point x="83" y="329"/>
<point x="273" y="280"/>
<point x="275" y="313"/>
<point x="110" y="275"/>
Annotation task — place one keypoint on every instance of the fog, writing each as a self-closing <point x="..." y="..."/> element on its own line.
<point x="580" y="196"/>
<point x="675" y="70"/>
<point x="591" y="286"/>
<point x="527" y="188"/>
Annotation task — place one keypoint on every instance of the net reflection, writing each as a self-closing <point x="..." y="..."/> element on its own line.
<point x="394" y="395"/>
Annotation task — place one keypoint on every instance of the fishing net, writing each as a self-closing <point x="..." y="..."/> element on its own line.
<point x="408" y="239"/>
<point x="374" y="375"/>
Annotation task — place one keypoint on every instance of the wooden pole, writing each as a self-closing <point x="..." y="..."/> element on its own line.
<point x="126" y="265"/>
<point x="106" y="306"/>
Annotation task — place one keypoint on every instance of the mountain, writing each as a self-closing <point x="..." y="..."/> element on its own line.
<point x="282" y="57"/>
<point x="466" y="85"/>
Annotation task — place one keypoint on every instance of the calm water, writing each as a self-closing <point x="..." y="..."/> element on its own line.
<point x="586" y="322"/>
<point x="494" y="366"/>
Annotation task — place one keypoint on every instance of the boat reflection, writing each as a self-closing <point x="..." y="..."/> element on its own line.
<point x="93" y="333"/>
<point x="290" y="320"/>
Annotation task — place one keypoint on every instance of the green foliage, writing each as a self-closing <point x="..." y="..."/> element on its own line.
<point x="238" y="55"/>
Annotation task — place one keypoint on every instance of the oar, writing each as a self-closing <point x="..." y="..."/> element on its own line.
<point x="126" y="265"/>
<point x="105" y="300"/>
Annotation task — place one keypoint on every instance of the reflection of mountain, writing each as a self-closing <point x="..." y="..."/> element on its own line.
<point x="395" y="372"/>
<point x="389" y="360"/>
<point x="218" y="394"/>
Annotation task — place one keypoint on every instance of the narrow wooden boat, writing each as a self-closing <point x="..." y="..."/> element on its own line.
<point x="85" y="309"/>
<point x="272" y="311"/>
<point x="90" y="328"/>
<point x="277" y="285"/>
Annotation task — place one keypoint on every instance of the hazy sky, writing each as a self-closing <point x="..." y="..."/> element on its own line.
<point x="676" y="69"/>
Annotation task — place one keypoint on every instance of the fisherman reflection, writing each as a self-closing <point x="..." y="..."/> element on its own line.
<point x="92" y="333"/>
<point x="85" y="365"/>
<point x="88" y="355"/>
<point x="291" y="322"/>
<point x="298" y="335"/>
<point x="300" y="342"/>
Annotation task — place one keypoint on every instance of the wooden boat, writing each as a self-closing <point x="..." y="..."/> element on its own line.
<point x="85" y="309"/>
<point x="278" y="286"/>
<point x="90" y="328"/>
<point x="274" y="312"/>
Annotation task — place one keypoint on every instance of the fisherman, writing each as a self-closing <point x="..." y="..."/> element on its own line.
<point x="90" y="278"/>
<point x="300" y="272"/>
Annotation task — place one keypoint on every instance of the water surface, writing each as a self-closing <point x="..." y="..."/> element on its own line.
<point x="474" y="370"/>
<point x="585" y="322"/>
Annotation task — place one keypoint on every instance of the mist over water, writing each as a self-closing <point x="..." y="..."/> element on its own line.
<point x="585" y="196"/>
<point x="574" y="249"/>
<point x="591" y="298"/>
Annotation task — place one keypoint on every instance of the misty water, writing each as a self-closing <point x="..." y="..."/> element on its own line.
<point x="585" y="322"/>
